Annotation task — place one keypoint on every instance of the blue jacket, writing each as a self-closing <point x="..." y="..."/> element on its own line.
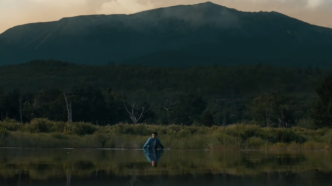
<point x="150" y="144"/>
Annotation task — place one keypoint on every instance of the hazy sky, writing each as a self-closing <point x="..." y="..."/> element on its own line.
<point x="17" y="12"/>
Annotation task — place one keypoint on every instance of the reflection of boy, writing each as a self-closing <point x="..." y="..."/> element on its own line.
<point x="153" y="156"/>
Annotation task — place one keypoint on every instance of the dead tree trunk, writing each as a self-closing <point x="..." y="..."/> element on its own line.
<point x="135" y="119"/>
<point x="32" y="106"/>
<point x="267" y="118"/>
<point x="21" y="109"/>
<point x="69" y="109"/>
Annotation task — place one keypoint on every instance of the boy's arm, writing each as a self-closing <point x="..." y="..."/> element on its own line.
<point x="146" y="143"/>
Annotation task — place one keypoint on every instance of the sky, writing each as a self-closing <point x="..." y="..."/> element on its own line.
<point x="18" y="12"/>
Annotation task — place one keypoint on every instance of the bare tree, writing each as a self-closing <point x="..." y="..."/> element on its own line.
<point x="170" y="103"/>
<point x="136" y="119"/>
<point x="21" y="108"/>
<point x="69" y="109"/>
<point x="32" y="106"/>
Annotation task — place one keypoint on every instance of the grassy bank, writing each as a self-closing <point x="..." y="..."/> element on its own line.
<point x="42" y="133"/>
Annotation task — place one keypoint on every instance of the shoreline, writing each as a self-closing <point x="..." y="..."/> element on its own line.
<point x="238" y="137"/>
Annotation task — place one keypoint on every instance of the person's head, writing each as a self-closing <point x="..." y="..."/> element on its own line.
<point x="154" y="135"/>
<point x="154" y="163"/>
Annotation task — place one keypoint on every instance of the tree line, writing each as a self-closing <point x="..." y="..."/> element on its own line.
<point x="107" y="107"/>
<point x="213" y="95"/>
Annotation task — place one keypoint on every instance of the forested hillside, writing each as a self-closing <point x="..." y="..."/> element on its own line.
<point x="216" y="95"/>
<point x="184" y="35"/>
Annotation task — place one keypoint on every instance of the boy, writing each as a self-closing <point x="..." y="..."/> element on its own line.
<point x="153" y="142"/>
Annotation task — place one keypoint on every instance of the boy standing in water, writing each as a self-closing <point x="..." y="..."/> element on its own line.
<point x="153" y="142"/>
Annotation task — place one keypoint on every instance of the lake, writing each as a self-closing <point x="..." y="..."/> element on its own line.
<point x="105" y="167"/>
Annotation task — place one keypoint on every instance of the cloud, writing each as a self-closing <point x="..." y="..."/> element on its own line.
<point x="96" y="5"/>
<point x="124" y="6"/>
<point x="315" y="3"/>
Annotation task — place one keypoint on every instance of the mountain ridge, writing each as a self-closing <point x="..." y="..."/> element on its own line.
<point x="204" y="29"/>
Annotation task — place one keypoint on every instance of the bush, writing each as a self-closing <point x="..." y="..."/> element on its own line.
<point x="243" y="131"/>
<point x="227" y="140"/>
<point x="80" y="129"/>
<point x="59" y="136"/>
<point x="3" y="136"/>
<point x="328" y="137"/>
<point x="280" y="136"/>
<point x="123" y="129"/>
<point x="59" y="126"/>
<point x="255" y="143"/>
<point x="40" y="125"/>
<point x="102" y="138"/>
<point x="288" y="136"/>
<point x="3" y="133"/>
<point x="10" y="125"/>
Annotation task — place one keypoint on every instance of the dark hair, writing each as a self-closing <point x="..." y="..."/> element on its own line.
<point x="155" y="133"/>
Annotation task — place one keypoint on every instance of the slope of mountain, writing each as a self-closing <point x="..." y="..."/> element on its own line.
<point x="206" y="32"/>
<point x="172" y="58"/>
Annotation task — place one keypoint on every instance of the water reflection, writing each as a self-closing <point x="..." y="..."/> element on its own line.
<point x="153" y="156"/>
<point x="107" y="167"/>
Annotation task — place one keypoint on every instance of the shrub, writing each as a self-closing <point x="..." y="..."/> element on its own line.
<point x="10" y="125"/>
<point x="3" y="136"/>
<point x="280" y="135"/>
<point x="279" y="147"/>
<point x="123" y="129"/>
<point x="141" y="130"/>
<point x="3" y="133"/>
<point x="59" y="126"/>
<point x="184" y="132"/>
<point x="173" y="129"/>
<point x="243" y="131"/>
<point x="288" y="136"/>
<point x="40" y="125"/>
<point x="102" y="138"/>
<point x="254" y="143"/>
<point x="228" y="140"/>
<point x="327" y="138"/>
<point x="59" y="136"/>
<point x="311" y="145"/>
<point x="80" y="129"/>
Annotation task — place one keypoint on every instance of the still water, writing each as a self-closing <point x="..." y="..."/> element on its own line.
<point x="70" y="167"/>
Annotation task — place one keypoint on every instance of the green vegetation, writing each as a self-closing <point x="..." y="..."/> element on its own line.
<point x="194" y="107"/>
<point x="217" y="95"/>
<point x="42" y="133"/>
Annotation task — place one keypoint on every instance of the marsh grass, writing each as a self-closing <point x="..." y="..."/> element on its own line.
<point x="43" y="133"/>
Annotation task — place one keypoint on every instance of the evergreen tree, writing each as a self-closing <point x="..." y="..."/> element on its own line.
<point x="185" y="109"/>
<point x="207" y="118"/>
<point x="273" y="109"/>
<point x="322" y="109"/>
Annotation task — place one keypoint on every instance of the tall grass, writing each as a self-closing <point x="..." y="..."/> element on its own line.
<point x="43" y="133"/>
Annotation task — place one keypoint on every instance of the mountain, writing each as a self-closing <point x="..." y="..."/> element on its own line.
<point x="200" y="34"/>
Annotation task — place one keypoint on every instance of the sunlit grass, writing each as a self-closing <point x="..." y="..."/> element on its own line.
<point x="42" y="133"/>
